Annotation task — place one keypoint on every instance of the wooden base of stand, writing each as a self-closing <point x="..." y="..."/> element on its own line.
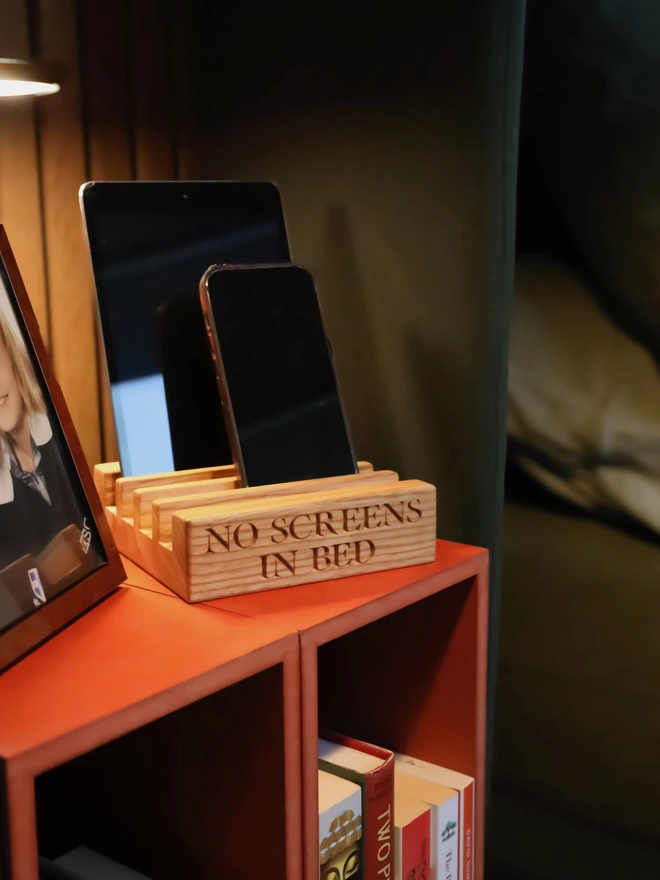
<point x="204" y="537"/>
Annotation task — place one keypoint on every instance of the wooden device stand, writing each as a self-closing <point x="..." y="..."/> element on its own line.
<point x="204" y="537"/>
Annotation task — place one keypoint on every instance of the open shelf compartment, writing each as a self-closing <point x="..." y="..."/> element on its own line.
<point x="397" y="658"/>
<point x="164" y="736"/>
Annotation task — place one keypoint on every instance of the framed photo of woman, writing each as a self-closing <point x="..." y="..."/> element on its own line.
<point x="57" y="554"/>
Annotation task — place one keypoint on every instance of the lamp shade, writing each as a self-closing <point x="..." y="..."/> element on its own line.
<point x="18" y="78"/>
<point x="18" y="74"/>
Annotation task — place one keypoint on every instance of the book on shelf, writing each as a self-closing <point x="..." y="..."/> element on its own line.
<point x="464" y="786"/>
<point x="443" y="805"/>
<point x="372" y="768"/>
<point x="340" y="827"/>
<point x="86" y="864"/>
<point x="412" y="837"/>
<point x="50" y="871"/>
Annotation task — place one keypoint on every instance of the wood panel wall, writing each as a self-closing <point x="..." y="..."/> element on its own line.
<point x="123" y="113"/>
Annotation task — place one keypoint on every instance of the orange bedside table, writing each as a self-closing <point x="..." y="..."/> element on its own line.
<point x="163" y="735"/>
<point x="397" y="658"/>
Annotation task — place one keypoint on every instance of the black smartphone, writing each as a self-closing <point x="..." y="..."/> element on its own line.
<point x="150" y="242"/>
<point x="277" y="381"/>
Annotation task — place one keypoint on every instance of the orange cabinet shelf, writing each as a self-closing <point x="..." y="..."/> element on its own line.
<point x="182" y="740"/>
<point x="397" y="658"/>
<point x="139" y="730"/>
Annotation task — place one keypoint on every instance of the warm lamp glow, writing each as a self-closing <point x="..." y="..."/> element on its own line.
<point x="21" y="78"/>
<point x="15" y="88"/>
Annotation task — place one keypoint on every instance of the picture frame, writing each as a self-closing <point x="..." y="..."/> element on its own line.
<point x="57" y="555"/>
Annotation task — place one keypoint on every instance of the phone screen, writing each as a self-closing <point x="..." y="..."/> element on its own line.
<point x="150" y="244"/>
<point x="279" y="379"/>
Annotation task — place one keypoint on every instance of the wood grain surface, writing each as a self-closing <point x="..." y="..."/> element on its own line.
<point x="107" y="104"/>
<point x="126" y="486"/>
<point x="166" y="507"/>
<point x="124" y="112"/>
<point x="143" y="499"/>
<point x="20" y="200"/>
<point x="204" y="540"/>
<point x="62" y="156"/>
<point x="269" y="543"/>
<point x="106" y="476"/>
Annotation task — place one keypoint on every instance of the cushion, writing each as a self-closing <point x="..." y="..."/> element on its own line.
<point x="584" y="398"/>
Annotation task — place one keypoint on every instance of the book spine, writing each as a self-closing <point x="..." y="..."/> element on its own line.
<point x="467" y="830"/>
<point x="414" y="843"/>
<point x="446" y="840"/>
<point x="379" y="823"/>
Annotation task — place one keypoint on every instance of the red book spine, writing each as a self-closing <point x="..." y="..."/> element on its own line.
<point x="378" y="806"/>
<point x="468" y="822"/>
<point x="379" y="824"/>
<point x="415" y="848"/>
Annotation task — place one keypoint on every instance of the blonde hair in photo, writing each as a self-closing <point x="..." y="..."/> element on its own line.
<point x="25" y="378"/>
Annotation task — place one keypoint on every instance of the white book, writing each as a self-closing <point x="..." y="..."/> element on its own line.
<point x="464" y="786"/>
<point x="443" y="803"/>
<point x="340" y="825"/>
<point x="91" y="865"/>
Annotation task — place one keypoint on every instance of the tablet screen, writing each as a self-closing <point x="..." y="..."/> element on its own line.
<point x="150" y="244"/>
